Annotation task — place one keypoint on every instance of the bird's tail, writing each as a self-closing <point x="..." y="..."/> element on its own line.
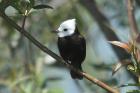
<point x="75" y="75"/>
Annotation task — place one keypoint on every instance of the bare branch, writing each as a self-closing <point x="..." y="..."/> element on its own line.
<point x="131" y="18"/>
<point x="102" y="21"/>
<point x="105" y="27"/>
<point x="59" y="59"/>
<point x="25" y="62"/>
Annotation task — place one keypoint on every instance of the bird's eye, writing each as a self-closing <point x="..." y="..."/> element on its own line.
<point x="65" y="29"/>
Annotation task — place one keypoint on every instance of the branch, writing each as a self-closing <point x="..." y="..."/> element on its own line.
<point x="26" y="60"/>
<point x="59" y="59"/>
<point x="105" y="27"/>
<point x="102" y="21"/>
<point x="131" y="18"/>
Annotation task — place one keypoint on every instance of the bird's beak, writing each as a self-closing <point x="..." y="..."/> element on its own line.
<point x="55" y="31"/>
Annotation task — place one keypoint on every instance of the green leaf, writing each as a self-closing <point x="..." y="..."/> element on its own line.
<point x="11" y="11"/>
<point x="16" y="6"/>
<point x="134" y="91"/>
<point x="55" y="90"/>
<point x="42" y="6"/>
<point x="130" y="84"/>
<point x="32" y="2"/>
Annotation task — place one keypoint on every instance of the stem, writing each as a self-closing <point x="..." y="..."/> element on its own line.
<point x="55" y="56"/>
<point x="25" y="61"/>
<point x="131" y="18"/>
<point x="134" y="31"/>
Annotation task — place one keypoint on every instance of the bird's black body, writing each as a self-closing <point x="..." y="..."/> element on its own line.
<point x="73" y="49"/>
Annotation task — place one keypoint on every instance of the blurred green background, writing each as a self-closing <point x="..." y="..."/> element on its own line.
<point x="26" y="69"/>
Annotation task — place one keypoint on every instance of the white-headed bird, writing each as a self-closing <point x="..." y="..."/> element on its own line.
<point x="71" y="45"/>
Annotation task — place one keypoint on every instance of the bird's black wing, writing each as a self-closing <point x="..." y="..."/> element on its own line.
<point x="80" y="50"/>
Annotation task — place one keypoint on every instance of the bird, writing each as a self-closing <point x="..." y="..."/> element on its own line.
<point x="71" y="45"/>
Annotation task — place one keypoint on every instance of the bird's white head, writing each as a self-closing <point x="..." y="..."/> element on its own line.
<point x="67" y="28"/>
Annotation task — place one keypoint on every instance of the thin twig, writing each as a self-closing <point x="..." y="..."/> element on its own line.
<point x="131" y="18"/>
<point x="25" y="61"/>
<point x="46" y="50"/>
